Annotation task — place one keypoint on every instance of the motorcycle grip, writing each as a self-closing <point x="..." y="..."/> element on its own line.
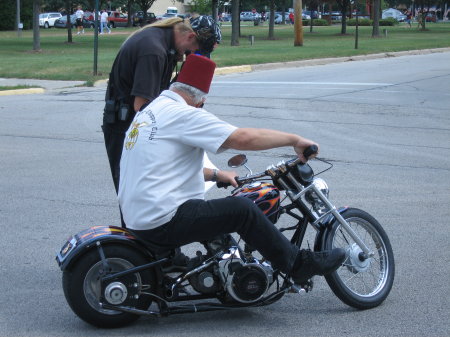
<point x="222" y="185"/>
<point x="225" y="185"/>
<point x="310" y="150"/>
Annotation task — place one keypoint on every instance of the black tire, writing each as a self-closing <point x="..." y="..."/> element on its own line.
<point x="81" y="286"/>
<point x="361" y="284"/>
<point x="46" y="25"/>
<point x="113" y="24"/>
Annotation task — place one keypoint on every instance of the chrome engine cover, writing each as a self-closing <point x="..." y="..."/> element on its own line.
<point x="244" y="282"/>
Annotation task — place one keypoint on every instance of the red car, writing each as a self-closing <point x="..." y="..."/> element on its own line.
<point x="117" y="19"/>
<point x="430" y="17"/>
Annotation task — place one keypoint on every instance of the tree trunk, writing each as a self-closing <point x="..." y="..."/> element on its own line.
<point x="215" y="9"/>
<point x="69" y="25"/>
<point x="272" y="20"/>
<point x="235" y="22"/>
<point x="345" y="4"/>
<point x="36" y="33"/>
<point x="129" y="23"/>
<point x="298" y="24"/>
<point x="376" y="18"/>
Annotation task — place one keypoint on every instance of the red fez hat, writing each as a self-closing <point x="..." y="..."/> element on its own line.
<point x="197" y="72"/>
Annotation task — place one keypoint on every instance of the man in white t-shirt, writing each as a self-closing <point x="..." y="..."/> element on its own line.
<point x="104" y="22"/>
<point x="79" y="14"/>
<point x="162" y="177"/>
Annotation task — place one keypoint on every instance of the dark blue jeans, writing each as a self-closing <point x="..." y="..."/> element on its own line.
<point x="199" y="220"/>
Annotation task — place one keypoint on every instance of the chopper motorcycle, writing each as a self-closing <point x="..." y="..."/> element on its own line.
<point x="111" y="277"/>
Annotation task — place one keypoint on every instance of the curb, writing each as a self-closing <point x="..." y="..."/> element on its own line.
<point x="316" y="62"/>
<point x="22" y="91"/>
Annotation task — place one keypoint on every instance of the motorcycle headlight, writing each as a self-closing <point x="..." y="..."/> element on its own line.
<point x="321" y="185"/>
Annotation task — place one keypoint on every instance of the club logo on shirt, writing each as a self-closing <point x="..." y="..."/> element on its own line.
<point x="133" y="135"/>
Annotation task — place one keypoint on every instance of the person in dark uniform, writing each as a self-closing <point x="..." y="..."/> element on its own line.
<point x="143" y="68"/>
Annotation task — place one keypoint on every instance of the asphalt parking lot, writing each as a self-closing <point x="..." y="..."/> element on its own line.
<point x="383" y="123"/>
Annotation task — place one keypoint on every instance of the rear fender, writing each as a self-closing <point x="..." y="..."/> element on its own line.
<point x="324" y="226"/>
<point x="78" y="244"/>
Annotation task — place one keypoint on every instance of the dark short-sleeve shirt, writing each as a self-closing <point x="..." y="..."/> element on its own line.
<point x="144" y="65"/>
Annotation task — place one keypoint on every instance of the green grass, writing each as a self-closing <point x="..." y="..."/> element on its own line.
<point x="59" y="60"/>
<point x="14" y="87"/>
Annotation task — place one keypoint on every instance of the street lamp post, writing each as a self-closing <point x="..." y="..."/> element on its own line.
<point x="356" y="32"/>
<point x="96" y="37"/>
<point x="18" y="23"/>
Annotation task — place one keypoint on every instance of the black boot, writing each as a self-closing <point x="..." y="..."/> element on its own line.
<point x="308" y="263"/>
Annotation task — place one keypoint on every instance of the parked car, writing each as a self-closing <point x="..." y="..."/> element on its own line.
<point x="62" y="22"/>
<point x="250" y="16"/>
<point x="165" y="16"/>
<point x="47" y="20"/>
<point x="171" y="15"/>
<point x="430" y="17"/>
<point x="279" y="18"/>
<point x="393" y="13"/>
<point x="335" y="16"/>
<point x="117" y="19"/>
<point x="313" y="14"/>
<point x="138" y="18"/>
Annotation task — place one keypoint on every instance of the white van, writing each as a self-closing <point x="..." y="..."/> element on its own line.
<point x="172" y="10"/>
<point x="393" y="13"/>
<point x="47" y="20"/>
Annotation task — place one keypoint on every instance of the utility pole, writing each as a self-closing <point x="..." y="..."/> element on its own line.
<point x="356" y="31"/>
<point x="96" y="38"/>
<point x="18" y="23"/>
<point x="298" y="24"/>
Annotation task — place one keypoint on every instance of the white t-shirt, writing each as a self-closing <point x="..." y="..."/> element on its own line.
<point x="162" y="159"/>
<point x="79" y="14"/>
<point x="104" y="17"/>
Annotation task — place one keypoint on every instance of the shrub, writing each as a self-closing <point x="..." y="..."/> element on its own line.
<point x="361" y="22"/>
<point x="316" y="22"/>
<point x="388" y="22"/>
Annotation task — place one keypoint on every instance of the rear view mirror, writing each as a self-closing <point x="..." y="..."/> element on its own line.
<point x="237" y="161"/>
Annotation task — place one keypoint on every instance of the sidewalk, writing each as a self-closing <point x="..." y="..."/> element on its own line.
<point x="49" y="85"/>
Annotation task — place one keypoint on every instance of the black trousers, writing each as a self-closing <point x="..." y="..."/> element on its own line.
<point x="114" y="135"/>
<point x="199" y="220"/>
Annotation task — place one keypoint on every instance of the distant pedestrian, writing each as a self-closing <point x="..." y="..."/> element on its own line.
<point x="79" y="15"/>
<point x="408" y="18"/>
<point x="104" y="22"/>
<point x="291" y="18"/>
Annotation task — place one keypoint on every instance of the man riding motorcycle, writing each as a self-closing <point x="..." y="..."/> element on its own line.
<point x="161" y="190"/>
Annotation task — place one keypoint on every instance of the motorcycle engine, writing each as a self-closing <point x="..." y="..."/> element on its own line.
<point x="244" y="282"/>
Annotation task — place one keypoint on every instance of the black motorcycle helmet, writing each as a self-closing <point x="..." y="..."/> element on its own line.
<point x="208" y="33"/>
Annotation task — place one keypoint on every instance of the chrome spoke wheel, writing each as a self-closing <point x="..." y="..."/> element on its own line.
<point x="363" y="281"/>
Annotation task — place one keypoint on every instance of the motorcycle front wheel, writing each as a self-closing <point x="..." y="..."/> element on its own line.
<point x="82" y="286"/>
<point x="361" y="282"/>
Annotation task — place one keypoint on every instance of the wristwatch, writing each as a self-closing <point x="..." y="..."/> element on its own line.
<point x="214" y="176"/>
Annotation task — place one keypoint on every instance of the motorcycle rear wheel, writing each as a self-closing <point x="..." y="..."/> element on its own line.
<point x="361" y="283"/>
<point x="82" y="287"/>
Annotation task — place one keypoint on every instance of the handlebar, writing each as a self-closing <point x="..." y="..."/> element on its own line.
<point x="309" y="151"/>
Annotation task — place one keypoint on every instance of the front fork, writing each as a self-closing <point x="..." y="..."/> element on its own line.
<point x="335" y="213"/>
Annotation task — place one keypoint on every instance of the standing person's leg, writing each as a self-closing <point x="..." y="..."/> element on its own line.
<point x="114" y="136"/>
<point x="101" y="27"/>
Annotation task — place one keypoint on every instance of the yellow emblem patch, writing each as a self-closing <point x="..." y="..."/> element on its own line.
<point x="133" y="135"/>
